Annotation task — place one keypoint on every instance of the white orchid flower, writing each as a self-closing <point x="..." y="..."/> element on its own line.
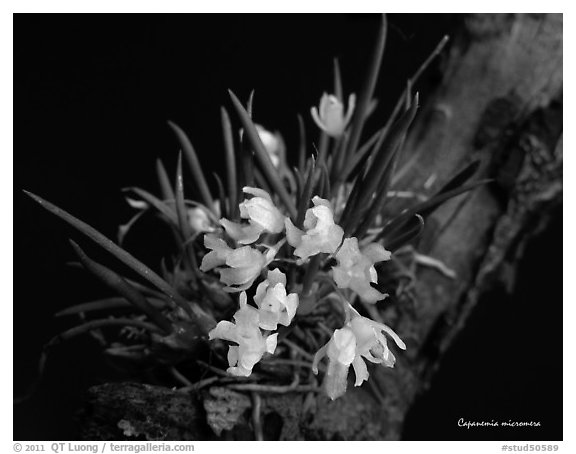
<point x="331" y="117"/>
<point x="276" y="307"/>
<point x="245" y="332"/>
<point x="355" y="269"/>
<point x="240" y="267"/>
<point x="359" y="338"/>
<point x="321" y="233"/>
<point x="262" y="215"/>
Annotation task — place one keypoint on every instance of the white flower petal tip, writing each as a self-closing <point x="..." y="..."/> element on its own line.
<point x="330" y="117"/>
<point x="321" y="234"/>
<point x="355" y="269"/>
<point x="359" y="339"/>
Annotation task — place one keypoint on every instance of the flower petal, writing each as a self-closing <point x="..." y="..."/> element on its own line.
<point x="257" y="192"/>
<point x="224" y="330"/>
<point x="336" y="380"/>
<point x="232" y="355"/>
<point x="243" y="234"/>
<point x="360" y="370"/>
<point x="321" y="353"/>
<point x="271" y="342"/>
<point x="293" y="234"/>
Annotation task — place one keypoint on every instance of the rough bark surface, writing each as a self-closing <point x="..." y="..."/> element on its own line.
<point x="500" y="99"/>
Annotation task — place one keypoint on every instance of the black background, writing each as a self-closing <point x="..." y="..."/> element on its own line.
<point x="92" y="96"/>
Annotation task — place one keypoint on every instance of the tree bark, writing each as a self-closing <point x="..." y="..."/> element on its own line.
<point x="500" y="99"/>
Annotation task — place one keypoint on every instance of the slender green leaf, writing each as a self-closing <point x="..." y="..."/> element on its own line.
<point x="338" y="90"/>
<point x="97" y="324"/>
<point x="261" y="181"/>
<point x="374" y="169"/>
<point x="337" y="173"/>
<point x="115" y="302"/>
<point x="184" y="223"/>
<point x="222" y="198"/>
<point x="151" y="293"/>
<point x="323" y="147"/>
<point x="424" y="209"/>
<point x="461" y="177"/>
<point x="306" y="193"/>
<point x="250" y="104"/>
<point x="123" y="229"/>
<point x="410" y="232"/>
<point x="412" y="81"/>
<point x="358" y="161"/>
<point x="123" y="288"/>
<point x="385" y="151"/>
<point x="165" y="185"/>
<point x="206" y="322"/>
<point x="156" y="203"/>
<point x="266" y="165"/>
<point x="368" y="88"/>
<point x="194" y="164"/>
<point x="324" y="187"/>
<point x="181" y="211"/>
<point x="230" y="163"/>
<point x="376" y="208"/>
<point x="302" y="147"/>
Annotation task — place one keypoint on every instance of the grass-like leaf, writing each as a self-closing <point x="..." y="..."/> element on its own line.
<point x="156" y="203"/>
<point x="123" y="288"/>
<point x="424" y="209"/>
<point x="262" y="157"/>
<point x="358" y="161"/>
<point x="306" y="195"/>
<point x="181" y="211"/>
<point x="385" y="150"/>
<point x="194" y="164"/>
<point x="261" y="181"/>
<point x="337" y="169"/>
<point x="302" y="144"/>
<point x="374" y="169"/>
<point x="368" y="88"/>
<point x="323" y="147"/>
<point x="411" y="230"/>
<point x="461" y="177"/>
<point x="230" y="155"/>
<point x="104" y="304"/>
<point x="324" y="188"/>
<point x="205" y="321"/>
<point x="164" y="182"/>
<point x="97" y="324"/>
<point x="222" y="197"/>
<point x="338" y="90"/>
<point x="412" y="81"/>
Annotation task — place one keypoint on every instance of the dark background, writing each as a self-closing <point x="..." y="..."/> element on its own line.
<point x="92" y="96"/>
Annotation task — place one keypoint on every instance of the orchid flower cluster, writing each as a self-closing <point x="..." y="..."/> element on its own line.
<point x="291" y="241"/>
<point x="239" y="267"/>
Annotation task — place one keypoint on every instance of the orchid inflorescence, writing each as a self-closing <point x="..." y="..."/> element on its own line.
<point x="295" y="243"/>
<point x="240" y="267"/>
